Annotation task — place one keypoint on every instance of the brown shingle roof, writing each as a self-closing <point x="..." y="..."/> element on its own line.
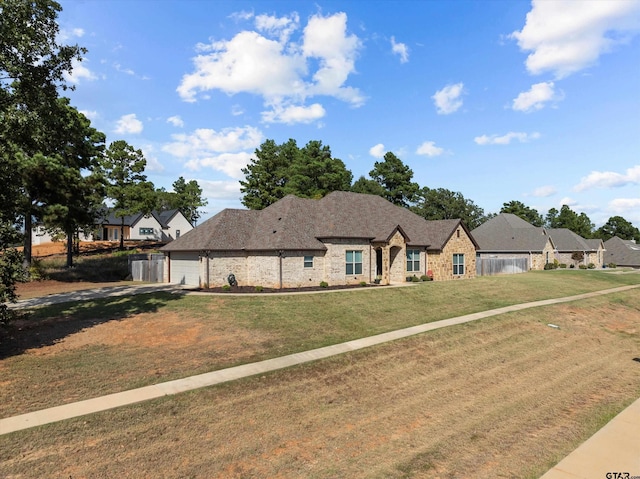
<point x="294" y="223"/>
<point x="622" y="252"/>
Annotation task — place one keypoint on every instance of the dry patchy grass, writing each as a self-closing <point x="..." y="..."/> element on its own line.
<point x="502" y="397"/>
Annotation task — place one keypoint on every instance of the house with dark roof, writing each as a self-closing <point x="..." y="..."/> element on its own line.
<point x="622" y="252"/>
<point x="343" y="238"/>
<point x="157" y="226"/>
<point x="507" y="236"/>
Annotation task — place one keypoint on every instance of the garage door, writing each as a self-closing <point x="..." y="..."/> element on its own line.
<point x="185" y="268"/>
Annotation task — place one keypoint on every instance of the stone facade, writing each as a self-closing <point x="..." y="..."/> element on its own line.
<point x="290" y="270"/>
<point x="441" y="262"/>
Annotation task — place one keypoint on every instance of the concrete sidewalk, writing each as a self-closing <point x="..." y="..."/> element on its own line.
<point x="615" y="448"/>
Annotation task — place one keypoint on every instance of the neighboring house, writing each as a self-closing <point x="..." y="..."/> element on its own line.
<point x="175" y="224"/>
<point x="622" y="252"/>
<point x="343" y="238"/>
<point x="41" y="235"/>
<point x="157" y="226"/>
<point x="507" y="236"/>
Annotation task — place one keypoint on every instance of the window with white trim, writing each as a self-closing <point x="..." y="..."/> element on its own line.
<point x="353" y="262"/>
<point x="308" y="261"/>
<point x="146" y="231"/>
<point x="458" y="264"/>
<point x="413" y="260"/>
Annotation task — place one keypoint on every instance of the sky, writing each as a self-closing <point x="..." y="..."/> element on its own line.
<point x="537" y="102"/>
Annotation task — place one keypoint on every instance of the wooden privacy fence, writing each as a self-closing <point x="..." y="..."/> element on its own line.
<point x="147" y="267"/>
<point x="491" y="266"/>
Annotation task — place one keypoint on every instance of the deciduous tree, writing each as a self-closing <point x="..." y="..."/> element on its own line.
<point x="443" y="204"/>
<point x="519" y="209"/>
<point x="620" y="227"/>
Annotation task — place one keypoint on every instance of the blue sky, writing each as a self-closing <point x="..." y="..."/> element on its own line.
<point x="500" y="100"/>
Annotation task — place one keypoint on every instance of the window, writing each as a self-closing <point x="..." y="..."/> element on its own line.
<point x="177" y="234"/>
<point x="354" y="262"/>
<point x="308" y="261"/>
<point x="413" y="260"/>
<point x="458" y="264"/>
<point x="146" y="231"/>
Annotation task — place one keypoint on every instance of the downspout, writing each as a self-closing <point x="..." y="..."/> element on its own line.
<point x="207" y="271"/>
<point x="280" y="255"/>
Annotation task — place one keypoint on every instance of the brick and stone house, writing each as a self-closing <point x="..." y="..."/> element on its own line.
<point x="507" y="236"/>
<point x="622" y="252"/>
<point x="343" y="238"/>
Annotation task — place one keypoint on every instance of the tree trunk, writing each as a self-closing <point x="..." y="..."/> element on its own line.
<point x="122" y="235"/>
<point x="70" y="248"/>
<point x="28" y="238"/>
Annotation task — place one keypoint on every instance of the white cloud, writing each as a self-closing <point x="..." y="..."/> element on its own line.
<point x="220" y="189"/>
<point x="377" y="151"/>
<point x="536" y="97"/>
<point x="229" y="163"/>
<point x="153" y="164"/>
<point x="281" y="27"/>
<point x="280" y="70"/>
<point x="629" y="208"/>
<point x="237" y="110"/>
<point x="506" y="139"/>
<point x="79" y="72"/>
<point x="129" y="124"/>
<point x="429" y="148"/>
<point x="65" y="35"/>
<point x="176" y="121"/>
<point x="400" y="49"/>
<point x="224" y="150"/>
<point x="294" y="114"/>
<point x="90" y="114"/>
<point x="544" y="191"/>
<point x="448" y="100"/>
<point x="609" y="179"/>
<point x="567" y="201"/>
<point x="567" y="36"/>
<point x="121" y="69"/>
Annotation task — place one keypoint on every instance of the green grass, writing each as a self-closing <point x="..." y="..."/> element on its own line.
<point x="302" y="322"/>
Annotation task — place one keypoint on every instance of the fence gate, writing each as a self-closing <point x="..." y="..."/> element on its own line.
<point x="147" y="267"/>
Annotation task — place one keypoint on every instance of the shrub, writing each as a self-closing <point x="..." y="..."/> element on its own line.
<point x="37" y="271"/>
<point x="549" y="266"/>
<point x="591" y="266"/>
<point x="572" y="266"/>
<point x="363" y="283"/>
<point x="324" y="284"/>
<point x="562" y="265"/>
<point x="259" y="289"/>
<point x="415" y="279"/>
<point x="612" y="265"/>
<point x="424" y="277"/>
<point x="226" y="287"/>
<point x="582" y="266"/>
